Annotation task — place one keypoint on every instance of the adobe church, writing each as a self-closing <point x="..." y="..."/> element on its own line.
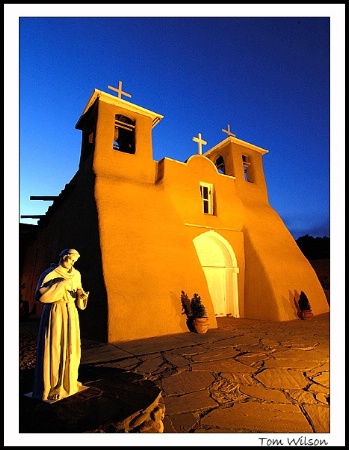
<point x="147" y="230"/>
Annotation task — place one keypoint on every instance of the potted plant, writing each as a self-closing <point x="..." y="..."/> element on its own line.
<point x="304" y="307"/>
<point x="195" y="311"/>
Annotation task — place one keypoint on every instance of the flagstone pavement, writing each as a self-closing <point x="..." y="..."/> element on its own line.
<point x="246" y="376"/>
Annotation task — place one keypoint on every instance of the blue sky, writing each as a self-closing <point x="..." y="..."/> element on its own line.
<point x="274" y="73"/>
<point x="267" y="77"/>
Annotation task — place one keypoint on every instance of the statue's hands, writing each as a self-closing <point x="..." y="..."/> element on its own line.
<point x="82" y="294"/>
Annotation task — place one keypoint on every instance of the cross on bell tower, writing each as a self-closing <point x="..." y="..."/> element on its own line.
<point x="119" y="90"/>
<point x="200" y="141"/>
<point x="229" y="133"/>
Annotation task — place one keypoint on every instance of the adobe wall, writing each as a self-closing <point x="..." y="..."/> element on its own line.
<point x="72" y="223"/>
<point x="276" y="269"/>
<point x="148" y="255"/>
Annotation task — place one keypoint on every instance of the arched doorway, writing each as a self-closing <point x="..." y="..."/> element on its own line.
<point x="219" y="264"/>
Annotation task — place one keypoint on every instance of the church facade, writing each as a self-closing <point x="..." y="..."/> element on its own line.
<point x="147" y="230"/>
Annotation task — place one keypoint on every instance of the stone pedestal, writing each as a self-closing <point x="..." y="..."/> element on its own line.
<point x="115" y="402"/>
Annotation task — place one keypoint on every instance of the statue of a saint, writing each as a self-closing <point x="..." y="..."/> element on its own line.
<point x="59" y="348"/>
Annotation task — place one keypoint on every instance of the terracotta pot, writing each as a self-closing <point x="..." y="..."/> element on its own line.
<point x="201" y="324"/>
<point x="305" y="314"/>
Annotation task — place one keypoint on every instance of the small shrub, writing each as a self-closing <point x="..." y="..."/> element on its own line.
<point x="303" y="302"/>
<point x="193" y="308"/>
<point x="197" y="307"/>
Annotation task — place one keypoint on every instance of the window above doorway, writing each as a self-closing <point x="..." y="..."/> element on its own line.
<point x="206" y="191"/>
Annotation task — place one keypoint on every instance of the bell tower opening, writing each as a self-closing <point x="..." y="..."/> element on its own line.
<point x="220" y="164"/>
<point x="247" y="168"/>
<point x="124" y="134"/>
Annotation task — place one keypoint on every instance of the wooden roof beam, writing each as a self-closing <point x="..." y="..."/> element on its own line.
<point x="32" y="217"/>
<point x="43" y="197"/>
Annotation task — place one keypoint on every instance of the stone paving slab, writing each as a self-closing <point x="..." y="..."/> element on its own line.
<point x="319" y="417"/>
<point x="177" y="360"/>
<point x="258" y="418"/>
<point x="245" y="379"/>
<point x="195" y="401"/>
<point x="215" y="355"/>
<point x="180" y="423"/>
<point x="307" y="364"/>
<point x="323" y="379"/>
<point x="186" y="382"/>
<point x="324" y="366"/>
<point x="102" y="353"/>
<point x="223" y="365"/>
<point x="261" y="393"/>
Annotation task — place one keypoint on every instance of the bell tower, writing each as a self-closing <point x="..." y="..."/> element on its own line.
<point x="117" y="135"/>
<point x="242" y="161"/>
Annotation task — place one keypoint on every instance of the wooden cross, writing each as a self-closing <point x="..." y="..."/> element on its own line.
<point x="200" y="142"/>
<point x="229" y="133"/>
<point x="119" y="90"/>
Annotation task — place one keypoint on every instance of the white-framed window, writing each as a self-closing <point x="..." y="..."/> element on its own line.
<point x="206" y="191"/>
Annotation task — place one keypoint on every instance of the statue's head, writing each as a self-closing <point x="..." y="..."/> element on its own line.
<point x="68" y="257"/>
<point x="69" y="251"/>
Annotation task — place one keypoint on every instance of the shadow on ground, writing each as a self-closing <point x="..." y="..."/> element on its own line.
<point x="112" y="396"/>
